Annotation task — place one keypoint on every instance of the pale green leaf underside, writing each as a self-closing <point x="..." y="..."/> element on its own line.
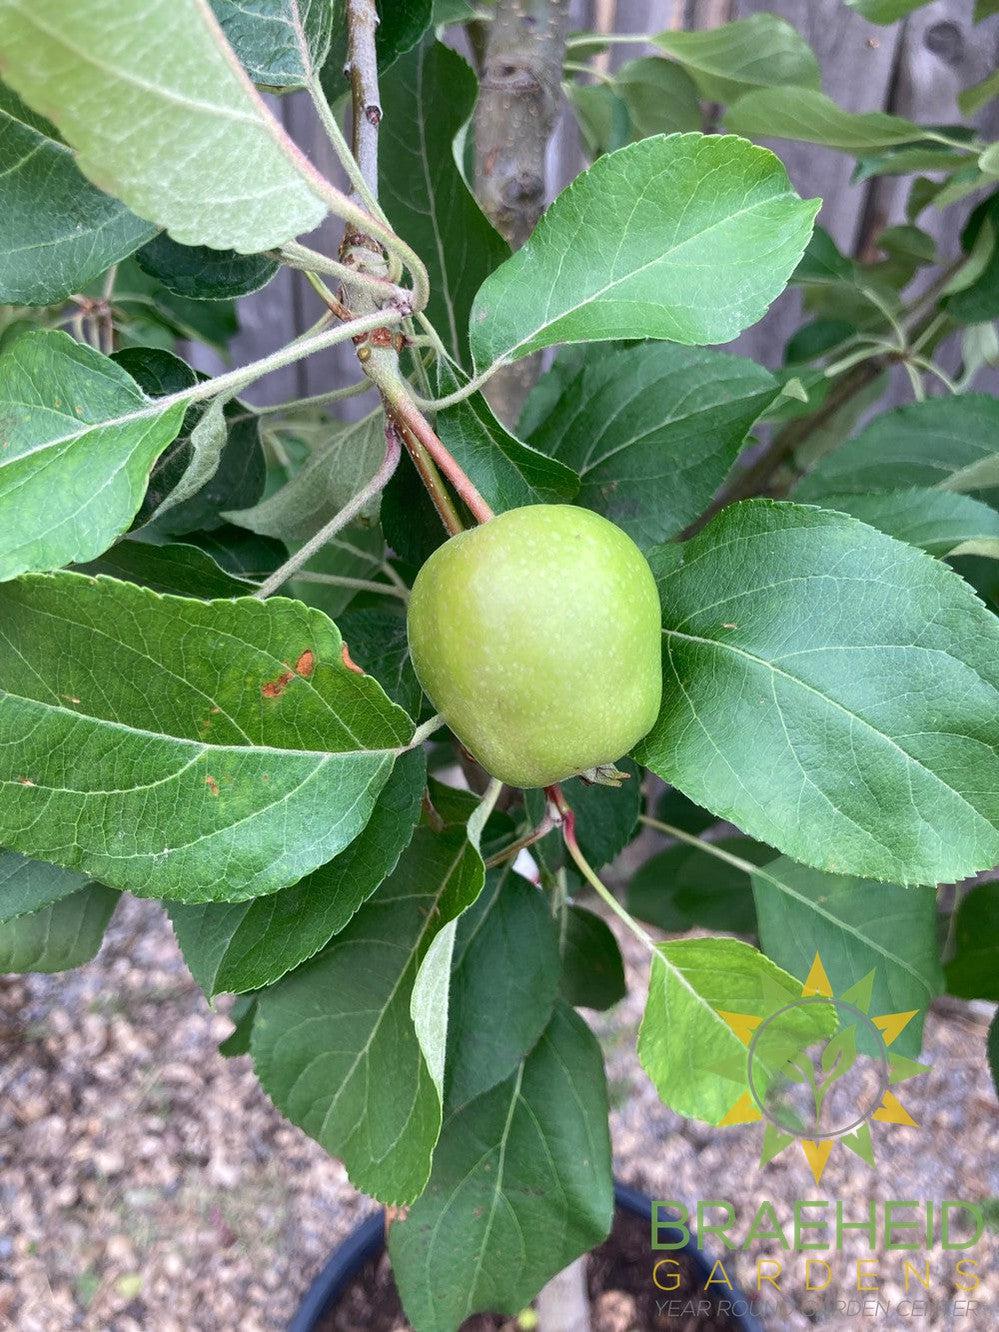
<point x="334" y="1045"/>
<point x="856" y="926"/>
<point x="653" y="430"/>
<point x="65" y="934"/>
<point x="697" y="1063"/>
<point x="755" y="52"/>
<point x="521" y="1185"/>
<point x="201" y="751"/>
<point x="951" y="443"/>
<point x="163" y="117"/>
<point x="831" y="691"/>
<point x="942" y="522"/>
<point x="811" y="116"/>
<point x="686" y="237"/>
<point x="80" y="438"/>
<point x="59" y="232"/>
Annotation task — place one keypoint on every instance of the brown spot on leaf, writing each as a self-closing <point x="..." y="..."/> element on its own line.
<point x="349" y="662"/>
<point x="212" y="784"/>
<point x="275" y="688"/>
<point x="730" y="626"/>
<point x="306" y="663"/>
<point x="25" y="781"/>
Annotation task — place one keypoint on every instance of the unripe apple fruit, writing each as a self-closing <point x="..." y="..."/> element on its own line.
<point x="537" y="638"/>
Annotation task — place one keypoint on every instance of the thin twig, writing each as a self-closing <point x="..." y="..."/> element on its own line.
<point x="357" y="584"/>
<point x="314" y="399"/>
<point x="350" y="511"/>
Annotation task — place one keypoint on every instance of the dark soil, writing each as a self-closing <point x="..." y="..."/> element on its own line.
<point x="623" y="1297"/>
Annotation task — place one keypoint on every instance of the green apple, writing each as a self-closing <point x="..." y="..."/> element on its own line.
<point x="537" y="638"/>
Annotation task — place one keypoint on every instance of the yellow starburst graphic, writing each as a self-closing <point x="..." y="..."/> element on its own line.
<point x="799" y="1059"/>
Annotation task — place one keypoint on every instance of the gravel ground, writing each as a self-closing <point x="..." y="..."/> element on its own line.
<point x="147" y="1185"/>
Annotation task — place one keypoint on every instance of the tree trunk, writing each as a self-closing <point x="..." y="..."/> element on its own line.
<point x="519" y="96"/>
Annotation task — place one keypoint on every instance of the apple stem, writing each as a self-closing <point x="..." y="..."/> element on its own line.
<point x="405" y="411"/>
<point x="567" y="819"/>
<point x="522" y="843"/>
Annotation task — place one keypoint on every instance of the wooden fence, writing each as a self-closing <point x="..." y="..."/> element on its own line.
<point x="915" y="68"/>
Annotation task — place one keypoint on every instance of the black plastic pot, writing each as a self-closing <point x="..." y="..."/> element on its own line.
<point x="368" y="1241"/>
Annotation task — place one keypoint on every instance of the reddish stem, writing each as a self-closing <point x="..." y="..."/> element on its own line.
<point x="408" y="415"/>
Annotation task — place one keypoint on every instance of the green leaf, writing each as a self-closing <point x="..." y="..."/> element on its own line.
<point x="335" y="471"/>
<point x="280" y="43"/>
<point x="940" y="521"/>
<point x="856" y="926"/>
<point x="992" y="1050"/>
<point x="592" y="966"/>
<point x="606" y="816"/>
<point x="521" y="1185"/>
<point x="379" y="644"/>
<point x="885" y="11"/>
<point x="660" y="96"/>
<point x="698" y="1064"/>
<point x="946" y="443"/>
<point x="64" y="934"/>
<point x="27" y="886"/>
<point x="202" y="273"/>
<point x="906" y="158"/>
<point x="507" y="472"/>
<point x="832" y="692"/>
<point x="973" y="972"/>
<point x="653" y="430"/>
<point x="682" y="887"/>
<point x="243" y="554"/>
<point x="247" y="945"/>
<point x="687" y="237"/>
<point x="116" y="79"/>
<point x="978" y="300"/>
<point x="603" y="117"/>
<point x="242" y="1014"/>
<point x="201" y="751"/>
<point x="756" y="52"/>
<point x="808" y="115"/>
<point x="60" y="232"/>
<point x="144" y="307"/>
<point x="334" y="1045"/>
<point x="401" y="24"/>
<point x="184" y="571"/>
<point x="985" y="9"/>
<point x="675" y="808"/>
<point x="504" y="982"/>
<point x="979" y="94"/>
<point x="80" y="438"/>
<point x="426" y="100"/>
<point x="355" y="552"/>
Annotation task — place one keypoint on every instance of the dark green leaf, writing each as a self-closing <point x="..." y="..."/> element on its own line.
<point x="856" y="926"/>
<point x="683" y="887"/>
<point x="178" y="569"/>
<point x="334" y="1044"/>
<point x="592" y="966"/>
<point x="653" y="429"/>
<point x="687" y="237"/>
<point x="29" y="885"/>
<point x="992" y="1051"/>
<point x="401" y="24"/>
<point x="242" y="1014"/>
<point x="940" y="521"/>
<point x="832" y="692"/>
<point x="204" y="274"/>
<point x="521" y="1185"/>
<point x="65" y="934"/>
<point x="973" y="972"/>
<point x="504" y="981"/>
<point x="80" y="438"/>
<point x="204" y="751"/>
<point x="604" y="121"/>
<point x="947" y="443"/>
<point x="903" y="159"/>
<point x="660" y="96"/>
<point x="241" y="553"/>
<point x="60" y="232"/>
<point x="247" y="945"/>
<point x="355" y="552"/>
<point x="756" y="52"/>
<point x="885" y="11"/>
<point x="606" y="816"/>
<point x="280" y="43"/>
<point x="379" y="645"/>
<point x="425" y="102"/>
<point x="978" y="302"/>
<point x="676" y="808"/>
